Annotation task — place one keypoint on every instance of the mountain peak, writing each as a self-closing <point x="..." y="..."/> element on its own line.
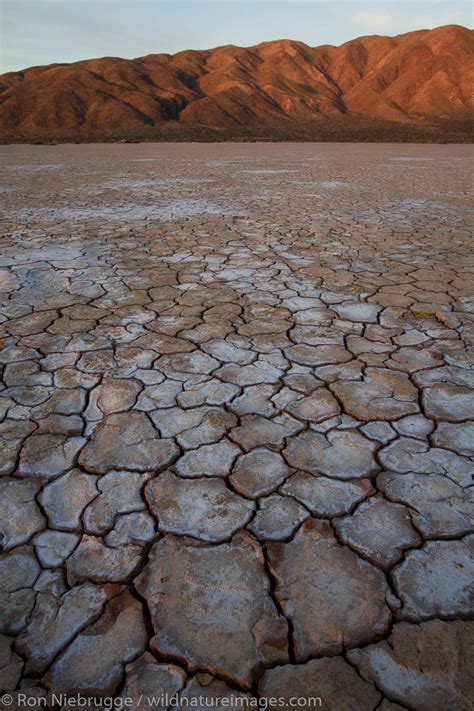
<point x="411" y="78"/>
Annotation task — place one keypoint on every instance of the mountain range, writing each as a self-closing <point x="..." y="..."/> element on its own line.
<point x="418" y="80"/>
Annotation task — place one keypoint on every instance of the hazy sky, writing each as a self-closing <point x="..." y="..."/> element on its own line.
<point x="43" y="31"/>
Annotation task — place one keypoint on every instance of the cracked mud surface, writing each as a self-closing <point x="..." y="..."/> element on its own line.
<point x="237" y="423"/>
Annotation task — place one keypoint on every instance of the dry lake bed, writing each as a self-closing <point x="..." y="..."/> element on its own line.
<point x="236" y="420"/>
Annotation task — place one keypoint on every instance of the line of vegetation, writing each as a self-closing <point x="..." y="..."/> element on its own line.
<point x="443" y="131"/>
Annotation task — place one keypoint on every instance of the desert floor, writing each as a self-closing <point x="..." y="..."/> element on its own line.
<point x="236" y="418"/>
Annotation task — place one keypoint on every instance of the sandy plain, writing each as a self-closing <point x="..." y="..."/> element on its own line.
<point x="237" y="423"/>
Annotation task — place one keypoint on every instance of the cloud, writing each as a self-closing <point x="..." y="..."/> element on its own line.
<point x="376" y="18"/>
<point x="437" y="19"/>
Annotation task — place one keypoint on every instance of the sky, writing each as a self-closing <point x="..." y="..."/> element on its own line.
<point x="34" y="32"/>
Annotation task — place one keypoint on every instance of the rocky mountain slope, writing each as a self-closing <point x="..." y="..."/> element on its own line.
<point x="414" y="78"/>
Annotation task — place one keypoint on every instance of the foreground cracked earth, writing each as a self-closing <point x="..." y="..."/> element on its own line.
<point x="237" y="423"/>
